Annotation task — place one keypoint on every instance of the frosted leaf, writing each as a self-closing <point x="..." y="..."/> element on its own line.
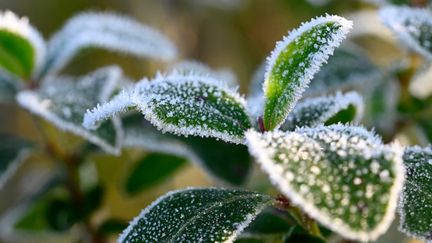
<point x="108" y="31"/>
<point x="412" y="26"/>
<point x="317" y="111"/>
<point x="270" y="222"/>
<point x="189" y="67"/>
<point x="415" y="205"/>
<point x="9" y="86"/>
<point x="183" y="105"/>
<point x="367" y="23"/>
<point x="196" y="215"/>
<point x="295" y="61"/>
<point x="22" y="48"/>
<point x="231" y="167"/>
<point x="64" y="100"/>
<point x="13" y="151"/>
<point x="349" y="68"/>
<point x="342" y="176"/>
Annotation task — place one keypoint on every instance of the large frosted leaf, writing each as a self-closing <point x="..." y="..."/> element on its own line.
<point x="64" y="100"/>
<point x="347" y="69"/>
<point x="183" y="105"/>
<point x="342" y="176"/>
<point x="13" y="151"/>
<point x="317" y="111"/>
<point x="108" y="31"/>
<point x="232" y="166"/>
<point x="22" y="49"/>
<point x="412" y="26"/>
<point x="9" y="86"/>
<point x="196" y="215"/>
<point x="415" y="206"/>
<point x="295" y="61"/>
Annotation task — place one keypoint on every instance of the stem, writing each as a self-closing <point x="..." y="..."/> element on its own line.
<point x="261" y="126"/>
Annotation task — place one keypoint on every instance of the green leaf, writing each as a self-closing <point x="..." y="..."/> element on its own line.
<point x="270" y="221"/>
<point x="64" y="100"/>
<point x="151" y="170"/>
<point x="9" y="86"/>
<point x="183" y="105"/>
<point x="13" y="151"/>
<point x="108" y="31"/>
<point x="415" y="204"/>
<point x="342" y="176"/>
<point x="349" y="68"/>
<point x="231" y="167"/>
<point x="326" y="109"/>
<point x="21" y="46"/>
<point x="412" y="26"/>
<point x="295" y="61"/>
<point x="304" y="238"/>
<point x="112" y="226"/>
<point x="196" y="215"/>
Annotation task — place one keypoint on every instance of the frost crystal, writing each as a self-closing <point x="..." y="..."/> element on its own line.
<point x="64" y="100"/>
<point x="413" y="27"/>
<point x="109" y="31"/>
<point x="316" y="111"/>
<point x="196" y="215"/>
<point x="295" y="61"/>
<point x="415" y="205"/>
<point x="12" y="24"/>
<point x="342" y="176"/>
<point x="183" y="105"/>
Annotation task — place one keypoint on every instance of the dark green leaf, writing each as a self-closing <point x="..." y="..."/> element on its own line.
<point x="9" y="86"/>
<point x="196" y="215"/>
<point x="60" y="214"/>
<point x="112" y="226"/>
<point x="271" y="221"/>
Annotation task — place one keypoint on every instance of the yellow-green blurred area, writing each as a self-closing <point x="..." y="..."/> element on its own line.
<point x="233" y="34"/>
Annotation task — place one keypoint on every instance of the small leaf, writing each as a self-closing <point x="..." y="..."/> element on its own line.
<point x="9" y="86"/>
<point x="412" y="26"/>
<point x="196" y="215"/>
<point x="152" y="169"/>
<point x="108" y="31"/>
<point x="183" y="105"/>
<point x="22" y="48"/>
<point x="64" y="100"/>
<point x="415" y="204"/>
<point x="317" y="111"/>
<point x="342" y="176"/>
<point x="295" y="61"/>
<point x="13" y="151"/>
<point x="231" y="167"/>
<point x="269" y="222"/>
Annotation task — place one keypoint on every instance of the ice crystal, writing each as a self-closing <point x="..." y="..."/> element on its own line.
<point x="64" y="100"/>
<point x="295" y="61"/>
<point x="316" y="111"/>
<point x="196" y="215"/>
<point x="415" y="205"/>
<point x="342" y="176"/>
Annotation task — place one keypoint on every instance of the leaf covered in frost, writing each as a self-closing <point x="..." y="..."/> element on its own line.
<point x="342" y="176"/>
<point x="196" y="215"/>
<point x="183" y="105"/>
<point x="22" y="48"/>
<point x="64" y="100"/>
<point x="415" y="205"/>
<point x="317" y="111"/>
<point x="9" y="86"/>
<point x="108" y="31"/>
<point x="13" y="151"/>
<point x="295" y="61"/>
<point x="412" y="26"/>
<point x="231" y="167"/>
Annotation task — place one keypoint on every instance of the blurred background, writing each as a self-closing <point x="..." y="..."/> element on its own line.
<point x="225" y="34"/>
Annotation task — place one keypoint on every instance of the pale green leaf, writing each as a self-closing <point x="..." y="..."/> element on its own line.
<point x="415" y="205"/>
<point x="295" y="61"/>
<point x="342" y="176"/>
<point x="196" y="215"/>
<point x="64" y="100"/>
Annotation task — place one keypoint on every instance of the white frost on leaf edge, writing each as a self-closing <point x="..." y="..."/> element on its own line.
<point x="262" y="156"/>
<point x="394" y="17"/>
<point x="318" y="59"/>
<point x="133" y="98"/>
<point x="414" y="149"/>
<point x="231" y="239"/>
<point x="22" y="155"/>
<point x="9" y="21"/>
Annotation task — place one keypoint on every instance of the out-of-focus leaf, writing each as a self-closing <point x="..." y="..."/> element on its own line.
<point x="303" y="238"/>
<point x="152" y="169"/>
<point x="196" y="215"/>
<point x="112" y="226"/>
<point x="271" y="221"/>
<point x="60" y="214"/>
<point x="92" y="201"/>
<point x="9" y="86"/>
